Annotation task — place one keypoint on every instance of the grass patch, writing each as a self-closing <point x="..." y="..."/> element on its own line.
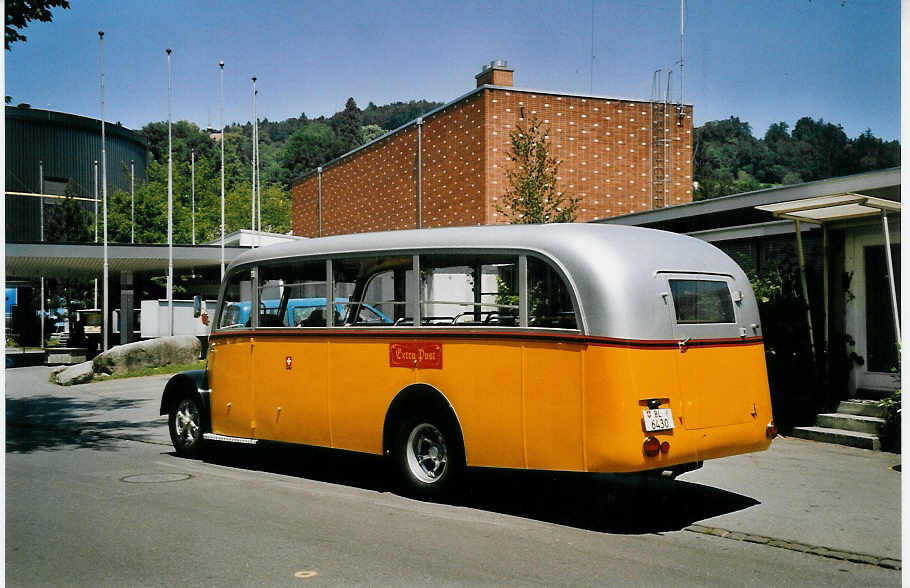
<point x="155" y="371"/>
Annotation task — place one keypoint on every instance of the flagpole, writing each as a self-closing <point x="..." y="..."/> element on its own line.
<point x="221" y="66"/>
<point x="106" y="302"/>
<point x="193" y="191"/>
<point x="253" y="195"/>
<point x="170" y="206"/>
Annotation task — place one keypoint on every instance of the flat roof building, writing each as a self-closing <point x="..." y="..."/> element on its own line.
<point x="448" y="167"/>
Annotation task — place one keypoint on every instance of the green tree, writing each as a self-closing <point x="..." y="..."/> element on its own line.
<point x="723" y="150"/>
<point x="67" y="222"/>
<point x="21" y="12"/>
<point x="532" y="196"/>
<point x="371" y="132"/>
<point x="391" y="116"/>
<point x="185" y="137"/>
<point x="347" y="126"/>
<point x="151" y="205"/>
<point x="728" y="159"/>
<point x="309" y="147"/>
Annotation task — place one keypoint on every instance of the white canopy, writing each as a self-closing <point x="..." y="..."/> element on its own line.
<point x="835" y="207"/>
<point x="822" y="209"/>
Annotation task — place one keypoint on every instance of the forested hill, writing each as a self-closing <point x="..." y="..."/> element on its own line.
<point x="730" y="160"/>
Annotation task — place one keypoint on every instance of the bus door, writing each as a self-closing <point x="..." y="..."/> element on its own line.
<point x="290" y="365"/>
<point x="714" y="375"/>
<point x="230" y="360"/>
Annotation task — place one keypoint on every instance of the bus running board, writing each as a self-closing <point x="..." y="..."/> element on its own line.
<point x="226" y="439"/>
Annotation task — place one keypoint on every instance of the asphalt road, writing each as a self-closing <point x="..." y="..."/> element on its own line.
<point x="95" y="496"/>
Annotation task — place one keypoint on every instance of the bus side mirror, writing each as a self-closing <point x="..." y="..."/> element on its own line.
<point x="197" y="306"/>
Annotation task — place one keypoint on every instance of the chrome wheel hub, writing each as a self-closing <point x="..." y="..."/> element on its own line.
<point x="186" y="423"/>
<point x="426" y="453"/>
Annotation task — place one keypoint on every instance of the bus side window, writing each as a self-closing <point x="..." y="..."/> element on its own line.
<point x="372" y="291"/>
<point x="549" y="299"/>
<point x="292" y="294"/>
<point x="235" y="307"/>
<point x="469" y="289"/>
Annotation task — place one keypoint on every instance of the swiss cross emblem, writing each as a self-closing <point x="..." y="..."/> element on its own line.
<point x="288" y="361"/>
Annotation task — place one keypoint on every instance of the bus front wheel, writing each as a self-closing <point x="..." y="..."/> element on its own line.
<point x="185" y="425"/>
<point x="429" y="457"/>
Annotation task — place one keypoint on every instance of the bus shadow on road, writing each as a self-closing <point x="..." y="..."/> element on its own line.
<point x="607" y="503"/>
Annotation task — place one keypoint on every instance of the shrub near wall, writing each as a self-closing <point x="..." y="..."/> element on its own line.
<point x="792" y="373"/>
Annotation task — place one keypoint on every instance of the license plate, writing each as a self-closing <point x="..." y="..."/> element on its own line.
<point x="658" y="419"/>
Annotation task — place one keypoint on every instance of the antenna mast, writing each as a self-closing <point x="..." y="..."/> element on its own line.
<point x="682" y="33"/>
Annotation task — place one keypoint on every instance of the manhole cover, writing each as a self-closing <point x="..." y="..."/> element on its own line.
<point x="155" y="478"/>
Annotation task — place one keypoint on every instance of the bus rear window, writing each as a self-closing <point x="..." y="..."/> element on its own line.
<point x="702" y="302"/>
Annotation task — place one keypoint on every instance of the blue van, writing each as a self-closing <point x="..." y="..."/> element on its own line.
<point x="300" y="312"/>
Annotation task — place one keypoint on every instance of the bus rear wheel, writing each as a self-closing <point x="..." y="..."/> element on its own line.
<point x="429" y="457"/>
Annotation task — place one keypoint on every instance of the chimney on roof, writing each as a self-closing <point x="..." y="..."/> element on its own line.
<point x="497" y="73"/>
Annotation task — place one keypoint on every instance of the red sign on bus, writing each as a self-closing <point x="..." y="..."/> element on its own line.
<point x="416" y="354"/>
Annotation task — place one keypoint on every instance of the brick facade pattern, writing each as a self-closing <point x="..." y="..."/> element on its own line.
<point x="604" y="146"/>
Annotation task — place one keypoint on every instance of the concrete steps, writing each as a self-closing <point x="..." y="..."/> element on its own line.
<point x="856" y="423"/>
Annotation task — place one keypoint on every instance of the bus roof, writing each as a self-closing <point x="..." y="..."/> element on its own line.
<point x="612" y="268"/>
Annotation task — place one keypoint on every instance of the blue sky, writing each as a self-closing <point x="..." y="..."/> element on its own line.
<point x="763" y="61"/>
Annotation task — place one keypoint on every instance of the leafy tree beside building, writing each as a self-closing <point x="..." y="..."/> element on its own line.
<point x="532" y="196"/>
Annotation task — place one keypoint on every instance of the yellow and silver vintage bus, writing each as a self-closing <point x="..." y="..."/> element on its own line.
<point x="577" y="347"/>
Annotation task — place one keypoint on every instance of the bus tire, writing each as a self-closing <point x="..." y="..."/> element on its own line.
<point x="429" y="456"/>
<point x="185" y="425"/>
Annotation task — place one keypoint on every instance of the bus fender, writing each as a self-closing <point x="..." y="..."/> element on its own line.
<point x="189" y="383"/>
<point x="417" y="398"/>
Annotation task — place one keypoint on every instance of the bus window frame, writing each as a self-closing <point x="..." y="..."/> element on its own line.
<point x="415" y="304"/>
<point x="689" y="330"/>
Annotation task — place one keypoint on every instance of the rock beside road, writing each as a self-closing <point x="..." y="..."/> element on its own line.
<point x="131" y="357"/>
<point x="124" y="359"/>
<point x="75" y="374"/>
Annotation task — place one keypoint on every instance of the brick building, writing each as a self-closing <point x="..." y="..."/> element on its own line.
<point x="448" y="168"/>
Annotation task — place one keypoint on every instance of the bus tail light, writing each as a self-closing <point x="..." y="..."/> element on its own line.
<point x="665" y="447"/>
<point x="652" y="446"/>
<point x="771" y="430"/>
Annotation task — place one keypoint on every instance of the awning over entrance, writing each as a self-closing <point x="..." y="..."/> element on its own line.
<point x="837" y="207"/>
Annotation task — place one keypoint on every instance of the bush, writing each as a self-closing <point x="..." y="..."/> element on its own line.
<point x="891" y="431"/>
